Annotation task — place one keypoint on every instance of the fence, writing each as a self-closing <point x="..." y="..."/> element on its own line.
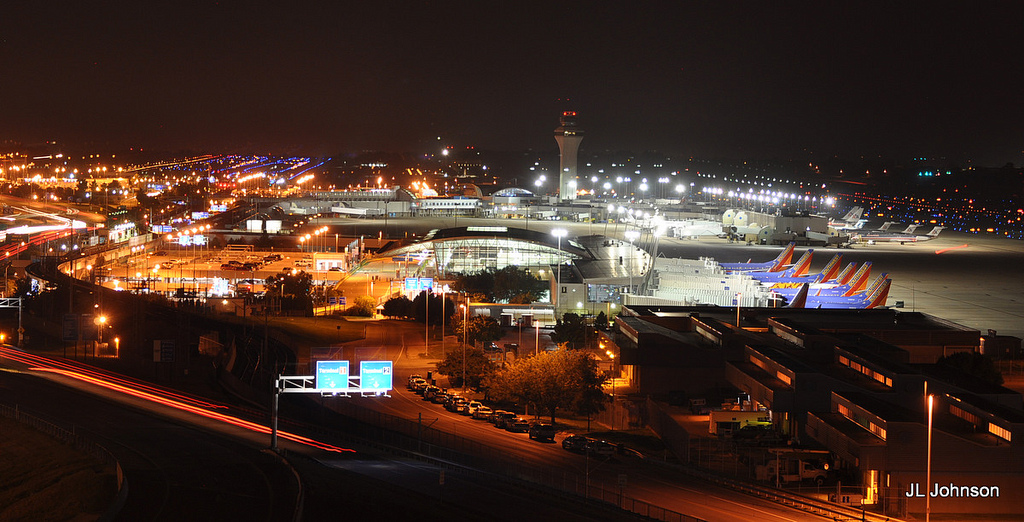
<point x="80" y="443"/>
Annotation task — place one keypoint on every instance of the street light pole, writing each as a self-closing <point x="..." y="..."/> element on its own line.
<point x="739" y="297"/>
<point x="928" y="471"/>
<point x="559" y="233"/>
<point x="632" y="236"/>
<point x="465" y="337"/>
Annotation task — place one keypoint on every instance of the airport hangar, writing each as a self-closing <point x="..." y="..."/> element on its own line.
<point x="852" y="382"/>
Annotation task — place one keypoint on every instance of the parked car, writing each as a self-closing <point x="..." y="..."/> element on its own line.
<point x="440" y="397"/>
<point x="412" y="378"/>
<point x="601" y="448"/>
<point x="429" y="392"/>
<point x="419" y="385"/>
<point x="493" y="417"/>
<point x="453" y="403"/>
<point x="503" y="419"/>
<point x="460" y="405"/>
<point x="575" y="443"/>
<point x="482" y="412"/>
<point x="472" y="406"/>
<point x="542" y="431"/>
<point x="518" y="425"/>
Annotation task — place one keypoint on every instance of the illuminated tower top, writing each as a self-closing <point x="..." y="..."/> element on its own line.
<point x="568" y="135"/>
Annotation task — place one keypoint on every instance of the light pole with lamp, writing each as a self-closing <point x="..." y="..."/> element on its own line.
<point x="611" y="355"/>
<point x="559" y="233"/>
<point x="536" y="341"/>
<point x="739" y="298"/>
<point x="632" y="236"/>
<point x="928" y="470"/>
<point x="465" y="337"/>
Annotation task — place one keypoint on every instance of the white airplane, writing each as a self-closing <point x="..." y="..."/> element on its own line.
<point x="907" y="236"/>
<point x="851" y="221"/>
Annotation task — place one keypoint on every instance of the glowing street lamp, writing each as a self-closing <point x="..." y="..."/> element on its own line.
<point x="559" y="233"/>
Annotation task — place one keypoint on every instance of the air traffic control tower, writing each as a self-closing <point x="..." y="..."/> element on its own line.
<point x="568" y="135"/>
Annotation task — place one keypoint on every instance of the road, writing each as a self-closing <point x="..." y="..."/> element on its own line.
<point x="175" y="470"/>
<point x="649" y="482"/>
<point x="185" y="458"/>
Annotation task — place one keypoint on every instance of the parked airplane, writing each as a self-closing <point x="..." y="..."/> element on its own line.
<point x="798" y="269"/>
<point x="907" y="236"/>
<point x="776" y="265"/>
<point x="874" y="299"/>
<point x="845" y="274"/>
<point x="851" y="221"/>
<point x="827" y="273"/>
<point x="856" y="284"/>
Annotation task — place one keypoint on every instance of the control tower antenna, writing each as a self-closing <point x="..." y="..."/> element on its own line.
<point x="568" y="135"/>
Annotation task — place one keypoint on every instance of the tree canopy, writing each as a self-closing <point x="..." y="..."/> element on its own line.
<point x="572" y="330"/>
<point x="507" y="285"/>
<point x="363" y="306"/>
<point x="478" y="368"/>
<point x="480" y="329"/>
<point x="563" y="379"/>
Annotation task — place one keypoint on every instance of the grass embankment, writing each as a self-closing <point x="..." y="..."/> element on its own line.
<point x="44" y="479"/>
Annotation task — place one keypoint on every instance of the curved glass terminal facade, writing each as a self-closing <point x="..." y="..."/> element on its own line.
<point x="469" y="251"/>
<point x="469" y="255"/>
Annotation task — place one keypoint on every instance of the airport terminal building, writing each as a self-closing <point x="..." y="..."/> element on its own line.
<point x="854" y="384"/>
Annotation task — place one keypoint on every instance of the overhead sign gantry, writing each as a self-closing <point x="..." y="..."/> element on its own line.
<point x="333" y="378"/>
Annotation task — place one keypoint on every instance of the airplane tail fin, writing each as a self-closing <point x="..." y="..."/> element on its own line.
<point x="935" y="231"/>
<point x="785" y="258"/>
<point x="875" y="283"/>
<point x="885" y="226"/>
<point x="878" y="297"/>
<point x="910" y="229"/>
<point x="803" y="265"/>
<point x="860" y="279"/>
<point x="860" y="224"/>
<point x="800" y="299"/>
<point x="846" y="273"/>
<point x="831" y="268"/>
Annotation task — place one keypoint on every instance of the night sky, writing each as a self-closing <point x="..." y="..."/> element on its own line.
<point x="711" y="79"/>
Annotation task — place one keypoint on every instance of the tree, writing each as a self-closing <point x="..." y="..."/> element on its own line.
<point x="563" y="379"/>
<point x="514" y="284"/>
<point x="601" y="321"/>
<point x="481" y="329"/>
<point x="363" y="306"/>
<point x="399" y="306"/>
<point x="435" y="316"/>
<point x="507" y="285"/>
<point x="573" y="330"/>
<point x="478" y="368"/>
<point x="292" y="289"/>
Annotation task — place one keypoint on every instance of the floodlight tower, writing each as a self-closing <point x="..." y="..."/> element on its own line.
<point x="568" y="135"/>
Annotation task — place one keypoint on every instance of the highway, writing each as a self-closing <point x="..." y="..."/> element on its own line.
<point x="515" y="454"/>
<point x="177" y="469"/>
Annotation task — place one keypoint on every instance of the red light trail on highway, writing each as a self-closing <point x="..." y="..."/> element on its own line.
<point x="153" y="394"/>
